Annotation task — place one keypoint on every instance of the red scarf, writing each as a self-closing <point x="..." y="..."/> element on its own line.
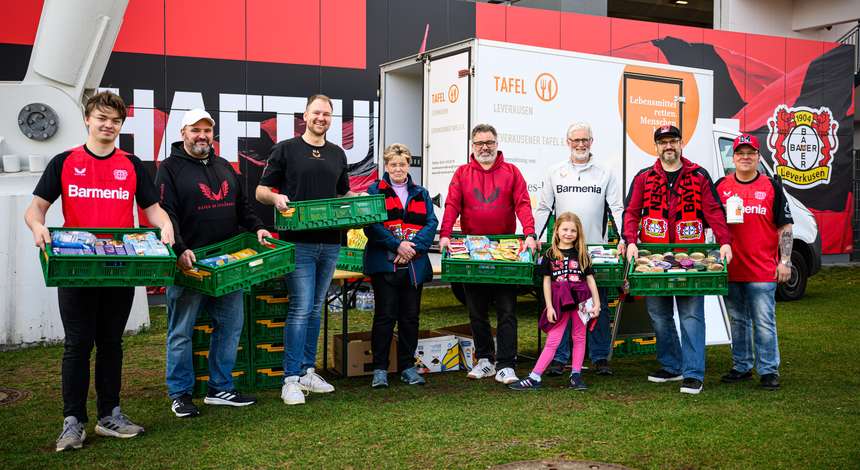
<point x="403" y="224"/>
<point x="687" y="222"/>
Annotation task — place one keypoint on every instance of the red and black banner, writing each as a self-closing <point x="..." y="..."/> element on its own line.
<point x="251" y="63"/>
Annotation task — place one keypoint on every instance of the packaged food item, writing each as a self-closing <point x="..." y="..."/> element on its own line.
<point x="355" y="238"/>
<point x="477" y="243"/>
<point x="242" y="254"/>
<point x="216" y="261"/>
<point x="715" y="267"/>
<point x="73" y="239"/>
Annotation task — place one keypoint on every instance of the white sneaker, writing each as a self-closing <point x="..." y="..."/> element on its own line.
<point x="312" y="382"/>
<point x="484" y="368"/>
<point x="506" y="376"/>
<point x="291" y="392"/>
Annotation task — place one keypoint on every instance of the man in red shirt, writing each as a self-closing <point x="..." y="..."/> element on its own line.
<point x="99" y="184"/>
<point x="489" y="194"/>
<point x="766" y="225"/>
<point x="673" y="201"/>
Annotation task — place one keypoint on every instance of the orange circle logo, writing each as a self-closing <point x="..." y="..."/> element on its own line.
<point x="650" y="97"/>
<point x="453" y="93"/>
<point x="546" y="87"/>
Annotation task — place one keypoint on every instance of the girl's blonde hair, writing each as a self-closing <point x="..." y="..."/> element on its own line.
<point x="579" y="244"/>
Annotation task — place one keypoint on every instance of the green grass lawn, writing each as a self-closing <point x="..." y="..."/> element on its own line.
<point x="813" y="422"/>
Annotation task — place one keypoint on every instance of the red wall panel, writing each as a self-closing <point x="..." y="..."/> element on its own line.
<point x="284" y="31"/>
<point x="142" y="28"/>
<point x="490" y="21"/>
<point x="632" y="39"/>
<point x="585" y="33"/>
<point x="344" y="42"/>
<point x="684" y="33"/>
<point x="213" y="29"/>
<point x="534" y="27"/>
<point x="20" y="21"/>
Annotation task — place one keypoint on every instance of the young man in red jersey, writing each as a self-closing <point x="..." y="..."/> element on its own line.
<point x="762" y="257"/>
<point x="98" y="183"/>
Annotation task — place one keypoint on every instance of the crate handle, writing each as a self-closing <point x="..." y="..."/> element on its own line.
<point x="645" y="342"/>
<point x="204" y="328"/>
<point x="255" y="263"/>
<point x="201" y="353"/>
<point x="276" y="300"/>
<point x="270" y="372"/>
<point x="271" y="324"/>
<point x="270" y="348"/>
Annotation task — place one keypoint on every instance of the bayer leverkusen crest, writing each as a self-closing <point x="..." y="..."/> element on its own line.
<point x="803" y="141"/>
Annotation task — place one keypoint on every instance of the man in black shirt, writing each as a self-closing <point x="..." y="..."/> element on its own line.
<point x="304" y="168"/>
<point x="207" y="204"/>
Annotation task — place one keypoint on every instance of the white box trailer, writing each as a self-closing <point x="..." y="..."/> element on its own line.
<point x="531" y="95"/>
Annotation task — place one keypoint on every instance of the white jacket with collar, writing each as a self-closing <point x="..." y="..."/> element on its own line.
<point x="588" y="190"/>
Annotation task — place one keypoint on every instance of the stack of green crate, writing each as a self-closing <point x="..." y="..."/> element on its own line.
<point x="200" y="339"/>
<point x="267" y="305"/>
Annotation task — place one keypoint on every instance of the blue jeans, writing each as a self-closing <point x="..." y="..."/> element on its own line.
<point x="751" y="305"/>
<point x="688" y="357"/>
<point x="308" y="285"/>
<point x="597" y="340"/>
<point x="228" y="315"/>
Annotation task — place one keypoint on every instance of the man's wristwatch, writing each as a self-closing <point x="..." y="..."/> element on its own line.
<point x="787" y="263"/>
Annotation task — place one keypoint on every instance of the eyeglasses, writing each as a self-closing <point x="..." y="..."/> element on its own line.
<point x="488" y="143"/>
<point x="664" y="143"/>
<point x="578" y="141"/>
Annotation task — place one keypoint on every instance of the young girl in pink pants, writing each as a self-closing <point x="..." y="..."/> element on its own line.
<point x="568" y="281"/>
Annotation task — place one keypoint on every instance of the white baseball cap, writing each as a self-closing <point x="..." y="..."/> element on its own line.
<point x="193" y="116"/>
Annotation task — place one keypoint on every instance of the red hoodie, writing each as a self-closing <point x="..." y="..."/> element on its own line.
<point x="487" y="200"/>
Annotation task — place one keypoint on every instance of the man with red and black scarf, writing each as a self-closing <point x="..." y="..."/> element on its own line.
<point x="673" y="202"/>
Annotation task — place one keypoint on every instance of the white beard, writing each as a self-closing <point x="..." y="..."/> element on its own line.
<point x="485" y="159"/>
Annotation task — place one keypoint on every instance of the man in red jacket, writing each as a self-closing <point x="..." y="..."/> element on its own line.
<point x="673" y="201"/>
<point x="489" y="194"/>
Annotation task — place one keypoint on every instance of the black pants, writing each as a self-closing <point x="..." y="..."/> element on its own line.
<point x="478" y="298"/>
<point x="93" y="316"/>
<point x="395" y="300"/>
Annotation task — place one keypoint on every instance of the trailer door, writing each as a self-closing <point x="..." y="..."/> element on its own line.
<point x="446" y="118"/>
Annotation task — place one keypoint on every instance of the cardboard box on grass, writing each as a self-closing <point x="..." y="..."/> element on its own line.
<point x="437" y="352"/>
<point x="467" y="343"/>
<point x="360" y="357"/>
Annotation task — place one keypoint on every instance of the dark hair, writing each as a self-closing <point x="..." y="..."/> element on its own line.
<point x="319" y="96"/>
<point x="484" y="128"/>
<point x="106" y="100"/>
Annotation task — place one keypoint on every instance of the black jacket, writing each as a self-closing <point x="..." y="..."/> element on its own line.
<point x="205" y="199"/>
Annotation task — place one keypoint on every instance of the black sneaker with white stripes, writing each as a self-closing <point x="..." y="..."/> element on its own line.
<point x="228" y="398"/>
<point x="183" y="407"/>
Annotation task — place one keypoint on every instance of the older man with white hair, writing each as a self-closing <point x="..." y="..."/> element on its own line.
<point x="581" y="186"/>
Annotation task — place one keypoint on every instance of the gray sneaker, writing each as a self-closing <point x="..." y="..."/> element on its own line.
<point x="73" y="435"/>
<point x="380" y="379"/>
<point x="412" y="377"/>
<point x="117" y="425"/>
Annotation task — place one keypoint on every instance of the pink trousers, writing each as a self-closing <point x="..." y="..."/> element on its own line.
<point x="553" y="338"/>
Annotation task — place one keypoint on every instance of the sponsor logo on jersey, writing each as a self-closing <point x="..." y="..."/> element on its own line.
<point x="98" y="193"/>
<point x="727" y="193"/>
<point x="758" y="210"/>
<point x="803" y="141"/>
<point x="80" y="171"/>
<point x="120" y="175"/>
<point x="560" y="188"/>
<point x="760" y="195"/>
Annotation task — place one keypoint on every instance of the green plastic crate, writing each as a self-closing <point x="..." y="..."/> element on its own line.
<point x="268" y="377"/>
<point x="269" y="306"/>
<point x="267" y="330"/>
<point x="271" y="261"/>
<point x="609" y="275"/>
<point x="341" y="212"/>
<point x="634" y="347"/>
<point x="202" y="333"/>
<point x="268" y="354"/>
<point x="201" y="357"/>
<point x="242" y="380"/>
<point x="274" y="285"/>
<point x="489" y="271"/>
<point x="107" y="270"/>
<point x="351" y="259"/>
<point x="682" y="284"/>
